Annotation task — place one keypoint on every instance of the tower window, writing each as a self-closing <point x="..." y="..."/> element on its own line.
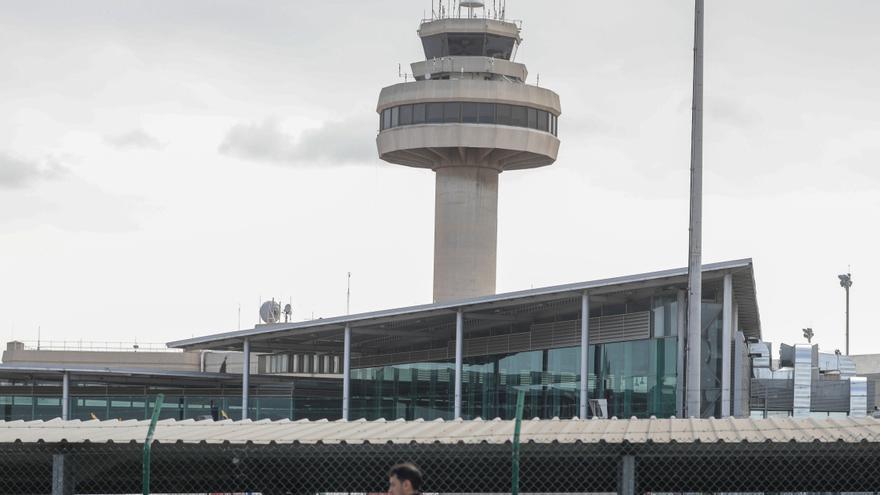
<point x="543" y="121"/>
<point x="503" y="114"/>
<point x="419" y="113"/>
<point x="469" y="113"/>
<point x="406" y="115"/>
<point x="487" y="113"/>
<point x="435" y="113"/>
<point x="452" y="112"/>
<point x="519" y="116"/>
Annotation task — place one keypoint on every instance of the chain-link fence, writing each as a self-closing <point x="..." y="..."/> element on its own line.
<point x="592" y="456"/>
<point x="448" y="468"/>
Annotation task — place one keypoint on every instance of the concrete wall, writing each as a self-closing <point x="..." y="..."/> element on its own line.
<point x="177" y="361"/>
<point x="866" y="363"/>
<point x="15" y="353"/>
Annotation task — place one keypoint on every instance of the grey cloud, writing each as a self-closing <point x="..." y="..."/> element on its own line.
<point x="339" y="142"/>
<point x="137" y="138"/>
<point x="18" y="172"/>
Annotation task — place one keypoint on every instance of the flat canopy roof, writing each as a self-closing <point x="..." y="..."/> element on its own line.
<point x="132" y="376"/>
<point x="325" y="334"/>
<point x="590" y="431"/>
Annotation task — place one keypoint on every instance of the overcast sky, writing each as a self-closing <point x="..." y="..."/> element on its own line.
<point x="165" y="163"/>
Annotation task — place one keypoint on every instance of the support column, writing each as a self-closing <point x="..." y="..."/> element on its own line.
<point x="62" y="475"/>
<point x="65" y="396"/>
<point x="681" y="330"/>
<point x="245" y="377"/>
<point x="726" y="341"/>
<point x="465" y="232"/>
<point x="585" y="352"/>
<point x="626" y="483"/>
<point x="459" y="341"/>
<point x="346" y="373"/>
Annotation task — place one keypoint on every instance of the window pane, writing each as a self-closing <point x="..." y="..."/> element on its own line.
<point x="452" y="112"/>
<point x="466" y="44"/>
<point x="435" y="112"/>
<point x="406" y="114"/>
<point x="533" y="118"/>
<point x="469" y="112"/>
<point x="433" y="46"/>
<point x="395" y="115"/>
<point x="499" y="46"/>
<point x="503" y="114"/>
<point x="418" y="113"/>
<point x="555" y="125"/>
<point x="543" y="120"/>
<point x="386" y="118"/>
<point x="519" y="116"/>
<point x="487" y="113"/>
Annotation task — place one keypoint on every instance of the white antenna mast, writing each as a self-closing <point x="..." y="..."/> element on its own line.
<point x="348" y="296"/>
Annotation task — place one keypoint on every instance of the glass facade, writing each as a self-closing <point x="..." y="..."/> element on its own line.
<point x="468" y="113"/>
<point x="468" y="45"/>
<point x="637" y="377"/>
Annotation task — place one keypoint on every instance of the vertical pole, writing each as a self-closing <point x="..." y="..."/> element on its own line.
<point x="695" y="283"/>
<point x="627" y="480"/>
<point x="148" y="442"/>
<point x="65" y="396"/>
<point x="245" y="377"/>
<point x="459" y="338"/>
<point x="847" y="320"/>
<point x="346" y="373"/>
<point x="585" y="353"/>
<point x="62" y="475"/>
<point x="517" y="426"/>
<point x="726" y="341"/>
<point x="681" y="330"/>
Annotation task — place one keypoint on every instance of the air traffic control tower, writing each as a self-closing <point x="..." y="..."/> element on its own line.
<point x="468" y="115"/>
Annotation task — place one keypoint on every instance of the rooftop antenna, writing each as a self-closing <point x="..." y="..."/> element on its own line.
<point x="348" y="296"/>
<point x="38" y="337"/>
<point x="288" y="311"/>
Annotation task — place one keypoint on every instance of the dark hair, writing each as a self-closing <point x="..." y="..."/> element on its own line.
<point x="407" y="471"/>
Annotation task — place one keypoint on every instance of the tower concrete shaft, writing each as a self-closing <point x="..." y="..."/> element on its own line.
<point x="468" y="115"/>
<point x="465" y="232"/>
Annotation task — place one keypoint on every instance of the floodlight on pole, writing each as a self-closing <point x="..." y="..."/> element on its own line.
<point x="808" y="334"/>
<point x="846" y="283"/>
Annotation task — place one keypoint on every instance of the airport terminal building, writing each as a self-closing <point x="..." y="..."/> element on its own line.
<point x="627" y="333"/>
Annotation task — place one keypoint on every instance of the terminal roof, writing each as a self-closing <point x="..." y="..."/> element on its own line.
<point x="324" y="334"/>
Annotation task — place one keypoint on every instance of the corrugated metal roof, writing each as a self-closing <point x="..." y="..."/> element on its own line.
<point x="849" y="430"/>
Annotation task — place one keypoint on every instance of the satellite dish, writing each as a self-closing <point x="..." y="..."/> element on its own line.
<point x="288" y="312"/>
<point x="270" y="312"/>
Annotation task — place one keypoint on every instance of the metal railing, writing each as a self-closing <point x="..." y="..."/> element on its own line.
<point x="95" y="346"/>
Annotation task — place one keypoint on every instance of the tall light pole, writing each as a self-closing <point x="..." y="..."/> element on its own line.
<point x="695" y="241"/>
<point x="846" y="283"/>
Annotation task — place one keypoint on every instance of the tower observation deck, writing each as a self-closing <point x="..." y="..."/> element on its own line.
<point x="468" y="115"/>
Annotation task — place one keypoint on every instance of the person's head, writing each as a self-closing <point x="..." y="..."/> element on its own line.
<point x="404" y="479"/>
